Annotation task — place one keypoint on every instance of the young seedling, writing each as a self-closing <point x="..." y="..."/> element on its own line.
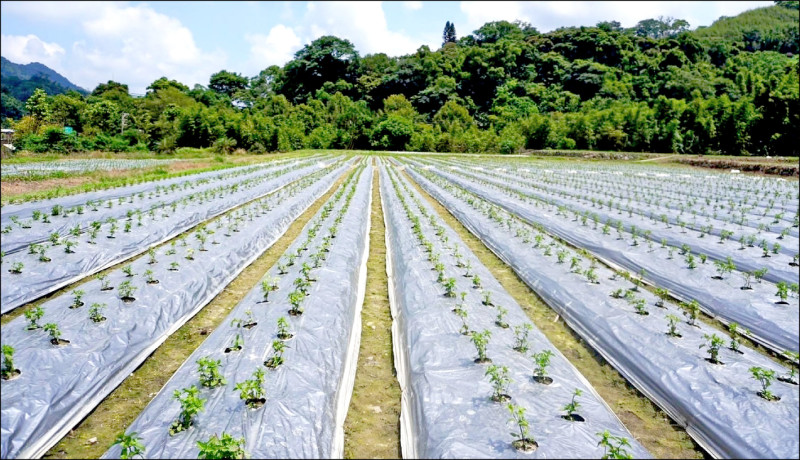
<point x="210" y="375"/>
<point x="302" y="285"/>
<point x="614" y="446"/>
<point x="450" y="287"/>
<point x="96" y="312"/>
<point x="55" y="334"/>
<point x="295" y="299"/>
<point x="476" y="281"/>
<point x="735" y="332"/>
<point x="76" y="300"/>
<point x="9" y="371"/>
<point x="68" y="245"/>
<point x="151" y="254"/>
<point x="278" y="347"/>
<point x="149" y="277"/>
<point x="42" y="251"/>
<point x="283" y="329"/>
<point x="783" y="292"/>
<point x="126" y="290"/>
<point x="525" y="441"/>
<point x="237" y="344"/>
<point x="591" y="276"/>
<point x="55" y="239"/>
<point x="521" y="337"/>
<point x="498" y="376"/>
<point x="765" y="377"/>
<point x="252" y="391"/>
<point x="16" y="268"/>
<point x="33" y="316"/>
<point x="128" y="270"/>
<point x="500" y="322"/>
<point x="481" y="341"/>
<point x="225" y="447"/>
<point x="691" y="311"/>
<point x="542" y="360"/>
<point x="191" y="404"/>
<point x="131" y="445"/>
<point x="641" y="306"/>
<point x="189" y="253"/>
<point x="487" y="298"/>
<point x="715" y="342"/>
<point x="760" y="274"/>
<point x="572" y="407"/>
<point x="791" y="377"/>
<point x="663" y="295"/>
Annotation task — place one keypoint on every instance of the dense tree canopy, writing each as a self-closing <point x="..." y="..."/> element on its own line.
<point x="730" y="88"/>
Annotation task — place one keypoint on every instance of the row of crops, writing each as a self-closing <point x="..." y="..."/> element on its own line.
<point x="630" y="257"/>
<point x="76" y="166"/>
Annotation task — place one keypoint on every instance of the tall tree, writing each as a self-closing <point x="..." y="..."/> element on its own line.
<point x="449" y="33"/>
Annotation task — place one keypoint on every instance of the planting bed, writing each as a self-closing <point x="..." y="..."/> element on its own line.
<point x="109" y="241"/>
<point x="60" y="385"/>
<point x="80" y="166"/>
<point x="774" y="325"/>
<point x="305" y="397"/>
<point x="718" y="404"/>
<point x="448" y="408"/>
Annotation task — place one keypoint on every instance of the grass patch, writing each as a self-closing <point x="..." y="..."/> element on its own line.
<point x="652" y="427"/>
<point x="123" y="405"/>
<point x="372" y="426"/>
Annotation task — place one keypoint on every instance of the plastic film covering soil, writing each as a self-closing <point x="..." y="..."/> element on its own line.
<point x="447" y="410"/>
<point x="718" y="404"/>
<point x="59" y="385"/>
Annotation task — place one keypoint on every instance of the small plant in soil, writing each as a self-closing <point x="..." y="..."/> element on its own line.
<point x="715" y="342"/>
<point x="499" y="321"/>
<point x="278" y="347"/>
<point x="16" y="268"/>
<point x="765" y="377"/>
<point x="149" y="277"/>
<point x="131" y="445"/>
<point x="542" y="360"/>
<point x="450" y="287"/>
<point x="462" y="313"/>
<point x="96" y="312"/>
<point x="191" y="404"/>
<point x="76" y="300"/>
<point x="68" y="245"/>
<point x="55" y="239"/>
<point x="295" y="299"/>
<point x="105" y="284"/>
<point x="476" y="281"/>
<point x="521" y="337"/>
<point x="302" y="284"/>
<point x="591" y="276"/>
<point x="791" y="377"/>
<point x="481" y="341"/>
<point x="8" y="371"/>
<point x="691" y="311"/>
<point x="572" y="408"/>
<point x="128" y="270"/>
<point x="736" y="333"/>
<point x="283" y="329"/>
<point x="225" y="447"/>
<point x="249" y="321"/>
<point x="33" y="316"/>
<point x="42" y="250"/>
<point x="252" y="391"/>
<point x="126" y="290"/>
<point x="673" y="326"/>
<point x="487" y="298"/>
<point x="151" y="254"/>
<point x="525" y="441"/>
<point x="614" y="446"/>
<point x="498" y="376"/>
<point x="783" y="292"/>
<point x="760" y="274"/>
<point x="55" y="334"/>
<point x="468" y="266"/>
<point x="210" y="375"/>
<point x="236" y="345"/>
<point x="663" y="295"/>
<point x="641" y="306"/>
<point x="189" y="253"/>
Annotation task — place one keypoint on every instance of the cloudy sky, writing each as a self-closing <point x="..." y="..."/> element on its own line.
<point x="138" y="42"/>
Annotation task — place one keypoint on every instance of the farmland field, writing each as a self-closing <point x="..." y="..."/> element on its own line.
<point x="337" y="303"/>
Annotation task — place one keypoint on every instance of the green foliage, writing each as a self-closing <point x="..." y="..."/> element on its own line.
<point x="765" y="377"/>
<point x="191" y="404"/>
<point x="131" y="445"/>
<point x="210" y="375"/>
<point x="498" y="376"/>
<point x="226" y="447"/>
<point x="252" y="389"/>
<point x="614" y="446"/>
<point x="8" y="362"/>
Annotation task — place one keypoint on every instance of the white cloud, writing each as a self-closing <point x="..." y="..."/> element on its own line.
<point x="24" y="49"/>
<point x="276" y="48"/>
<point x="136" y="45"/>
<point x="413" y="5"/>
<point x="547" y="16"/>
<point x="363" y="23"/>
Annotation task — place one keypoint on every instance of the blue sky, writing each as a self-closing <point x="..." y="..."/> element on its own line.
<point x="138" y="42"/>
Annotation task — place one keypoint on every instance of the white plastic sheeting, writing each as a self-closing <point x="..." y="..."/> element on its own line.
<point x="446" y="407"/>
<point x="60" y="385"/>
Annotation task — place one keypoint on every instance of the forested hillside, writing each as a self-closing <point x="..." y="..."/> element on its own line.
<point x="729" y="88"/>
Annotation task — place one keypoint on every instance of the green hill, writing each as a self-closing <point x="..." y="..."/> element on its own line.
<point x="774" y="28"/>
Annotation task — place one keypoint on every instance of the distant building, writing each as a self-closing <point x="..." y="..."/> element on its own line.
<point x="7" y="142"/>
